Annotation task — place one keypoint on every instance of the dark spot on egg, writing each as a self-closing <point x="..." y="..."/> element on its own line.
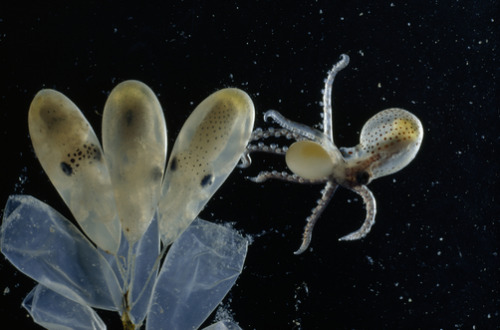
<point x="66" y="168"/>
<point x="129" y="117"/>
<point x="97" y="154"/>
<point x="206" y="180"/>
<point x="173" y="164"/>
<point x="156" y="174"/>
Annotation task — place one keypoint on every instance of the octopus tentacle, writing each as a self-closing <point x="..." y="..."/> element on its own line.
<point x="371" y="210"/>
<point x="301" y="129"/>
<point x="284" y="176"/>
<point x="260" y="134"/>
<point x="272" y="132"/>
<point x="245" y="159"/>
<point x="327" y="194"/>
<point x="327" y="95"/>
<point x="271" y="148"/>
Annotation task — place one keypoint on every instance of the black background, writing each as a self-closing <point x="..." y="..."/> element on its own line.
<point x="430" y="261"/>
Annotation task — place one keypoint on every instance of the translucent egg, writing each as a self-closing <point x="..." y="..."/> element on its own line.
<point x="207" y="149"/>
<point x="135" y="145"/>
<point x="72" y="157"/>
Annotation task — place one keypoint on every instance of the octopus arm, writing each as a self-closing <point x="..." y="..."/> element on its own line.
<point x="371" y="211"/>
<point x="327" y="194"/>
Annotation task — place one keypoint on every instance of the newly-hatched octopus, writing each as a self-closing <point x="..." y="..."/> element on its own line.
<point x="388" y="142"/>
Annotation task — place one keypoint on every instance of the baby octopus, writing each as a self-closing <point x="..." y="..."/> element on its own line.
<point x="388" y="142"/>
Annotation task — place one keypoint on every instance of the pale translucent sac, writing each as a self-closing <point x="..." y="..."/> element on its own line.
<point x="53" y="311"/>
<point x="309" y="160"/>
<point x="116" y="197"/>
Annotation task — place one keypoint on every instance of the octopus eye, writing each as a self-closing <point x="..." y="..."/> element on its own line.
<point x="362" y="178"/>
<point x="309" y="160"/>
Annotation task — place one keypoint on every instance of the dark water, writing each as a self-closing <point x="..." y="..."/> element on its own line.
<point x="430" y="261"/>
